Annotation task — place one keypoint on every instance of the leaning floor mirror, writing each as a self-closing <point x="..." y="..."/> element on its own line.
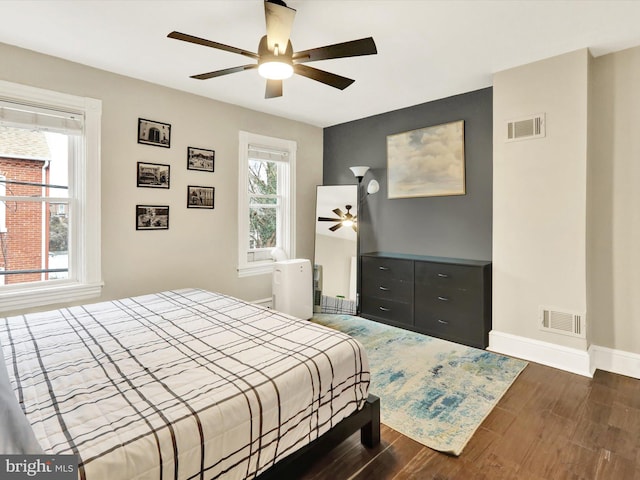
<point x="335" y="262"/>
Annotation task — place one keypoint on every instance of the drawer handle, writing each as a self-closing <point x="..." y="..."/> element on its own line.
<point x="383" y="268"/>
<point x="444" y="299"/>
<point x="443" y="275"/>
<point x="384" y="289"/>
<point x="384" y="309"/>
<point x="443" y="322"/>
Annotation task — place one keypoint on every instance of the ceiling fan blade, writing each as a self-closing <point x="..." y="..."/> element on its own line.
<point x="335" y="227"/>
<point x="321" y="76"/>
<point x="354" y="48"/>
<point x="279" y="20"/>
<point x="274" y="89"/>
<point x="338" y="212"/>
<point x="226" y="71"/>
<point x="208" y="43"/>
<point x="327" y="219"/>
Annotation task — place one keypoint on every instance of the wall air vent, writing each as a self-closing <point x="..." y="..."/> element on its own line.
<point x="566" y="323"/>
<point x="526" y="128"/>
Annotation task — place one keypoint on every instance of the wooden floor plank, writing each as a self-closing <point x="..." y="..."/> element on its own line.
<point x="549" y="425"/>
<point x="390" y="461"/>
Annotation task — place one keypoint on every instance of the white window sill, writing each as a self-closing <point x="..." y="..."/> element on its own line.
<point x="47" y="295"/>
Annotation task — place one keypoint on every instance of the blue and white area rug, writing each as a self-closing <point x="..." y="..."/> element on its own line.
<point x="433" y="391"/>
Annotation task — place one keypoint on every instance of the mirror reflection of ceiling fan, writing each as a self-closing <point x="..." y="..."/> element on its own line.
<point x="343" y="220"/>
<point x="276" y="59"/>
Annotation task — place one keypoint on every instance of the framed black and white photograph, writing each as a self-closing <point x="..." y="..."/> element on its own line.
<point x="152" y="217"/>
<point x="200" y="159"/>
<point x="200" y="197"/>
<point x="155" y="133"/>
<point x="153" y="175"/>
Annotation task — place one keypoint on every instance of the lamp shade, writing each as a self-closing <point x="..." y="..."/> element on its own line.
<point x="373" y="187"/>
<point x="359" y="171"/>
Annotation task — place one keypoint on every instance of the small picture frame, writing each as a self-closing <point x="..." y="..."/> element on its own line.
<point x="200" y="159"/>
<point x="151" y="132"/>
<point x="153" y="175"/>
<point x="200" y="197"/>
<point x="152" y="217"/>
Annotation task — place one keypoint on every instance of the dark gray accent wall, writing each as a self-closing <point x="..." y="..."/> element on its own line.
<point x="453" y="226"/>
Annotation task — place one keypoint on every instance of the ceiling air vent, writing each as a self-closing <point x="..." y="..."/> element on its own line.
<point x="526" y="128"/>
<point x="562" y="322"/>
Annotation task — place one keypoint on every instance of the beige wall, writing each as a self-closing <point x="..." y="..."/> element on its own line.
<point x="614" y="201"/>
<point x="539" y="197"/>
<point x="566" y="218"/>
<point x="199" y="249"/>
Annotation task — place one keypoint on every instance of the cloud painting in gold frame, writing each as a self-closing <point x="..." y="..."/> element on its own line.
<point x="427" y="162"/>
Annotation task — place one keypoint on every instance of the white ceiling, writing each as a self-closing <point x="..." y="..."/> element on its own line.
<point x="426" y="49"/>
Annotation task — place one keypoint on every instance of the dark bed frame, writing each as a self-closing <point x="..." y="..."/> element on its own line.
<point x="367" y="420"/>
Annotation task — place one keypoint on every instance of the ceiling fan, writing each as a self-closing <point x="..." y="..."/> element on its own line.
<point x="345" y="219"/>
<point x="276" y="59"/>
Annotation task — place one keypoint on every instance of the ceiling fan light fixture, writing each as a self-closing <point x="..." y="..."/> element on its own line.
<point x="276" y="59"/>
<point x="275" y="69"/>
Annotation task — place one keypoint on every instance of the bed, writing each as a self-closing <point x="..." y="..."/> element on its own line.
<point x="183" y="384"/>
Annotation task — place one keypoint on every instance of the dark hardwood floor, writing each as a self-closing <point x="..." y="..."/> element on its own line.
<point x="549" y="425"/>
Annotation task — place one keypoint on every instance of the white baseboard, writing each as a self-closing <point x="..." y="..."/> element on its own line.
<point x="564" y="358"/>
<point x="616" y="361"/>
<point x="265" y="302"/>
<point x="556" y="356"/>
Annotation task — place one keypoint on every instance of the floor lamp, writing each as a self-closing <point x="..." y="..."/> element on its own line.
<point x="359" y="172"/>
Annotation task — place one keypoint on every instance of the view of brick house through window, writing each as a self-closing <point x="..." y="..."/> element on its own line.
<point x="34" y="206"/>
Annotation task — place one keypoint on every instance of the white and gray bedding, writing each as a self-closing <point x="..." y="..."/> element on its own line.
<point x="179" y="384"/>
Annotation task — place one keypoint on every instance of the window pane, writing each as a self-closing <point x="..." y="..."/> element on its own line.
<point x="58" y="261"/>
<point x="262" y="227"/>
<point x="34" y="163"/>
<point x="263" y="177"/>
<point x="36" y="240"/>
<point x="58" y="167"/>
<point x="34" y="235"/>
<point x="58" y="228"/>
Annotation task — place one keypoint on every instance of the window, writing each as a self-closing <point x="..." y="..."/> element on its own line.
<point x="3" y="224"/>
<point x="3" y="208"/>
<point x="266" y="207"/>
<point x="49" y="197"/>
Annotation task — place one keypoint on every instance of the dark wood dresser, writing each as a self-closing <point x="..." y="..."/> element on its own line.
<point x="449" y="298"/>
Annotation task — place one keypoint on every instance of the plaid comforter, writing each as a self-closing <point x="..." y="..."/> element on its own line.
<point x="179" y="384"/>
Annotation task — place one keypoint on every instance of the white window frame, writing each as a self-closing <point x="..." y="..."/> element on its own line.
<point x="3" y="208"/>
<point x="85" y="262"/>
<point x="287" y="238"/>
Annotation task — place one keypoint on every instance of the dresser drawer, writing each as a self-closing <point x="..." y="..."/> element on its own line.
<point x="444" y="301"/>
<point x="387" y="268"/>
<point x="455" y="314"/>
<point x="387" y="310"/>
<point x="455" y="328"/>
<point x="388" y="289"/>
<point x="448" y="275"/>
